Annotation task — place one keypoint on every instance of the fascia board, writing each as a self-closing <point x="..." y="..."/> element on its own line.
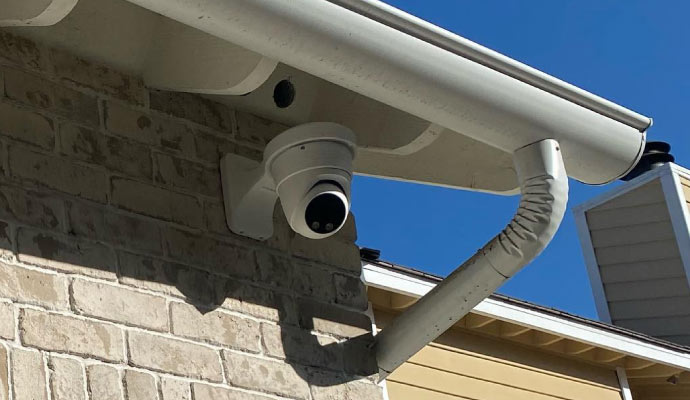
<point x="382" y="278"/>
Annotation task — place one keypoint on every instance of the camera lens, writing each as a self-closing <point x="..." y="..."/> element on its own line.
<point x="325" y="213"/>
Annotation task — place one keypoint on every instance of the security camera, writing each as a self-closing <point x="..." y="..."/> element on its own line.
<point x="309" y="167"/>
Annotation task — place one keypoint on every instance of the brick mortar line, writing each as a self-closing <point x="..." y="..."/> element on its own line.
<point x="117" y="248"/>
<point x="48" y="374"/>
<point x="126" y="329"/>
<point x="169" y="335"/>
<point x="240" y="389"/>
<point x="194" y="127"/>
<point x="158" y="381"/>
<point x="166" y="335"/>
<point x="58" y="120"/>
<point x="53" y="78"/>
<point x="85" y="378"/>
<point x="109" y="172"/>
<point x="223" y="370"/>
<point x="10" y="370"/>
<point x="170" y="298"/>
<point x="17" y="331"/>
<point x="51" y="75"/>
<point x="163" y="224"/>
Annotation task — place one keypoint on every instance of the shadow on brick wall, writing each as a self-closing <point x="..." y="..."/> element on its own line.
<point x="101" y="177"/>
<point x="294" y="295"/>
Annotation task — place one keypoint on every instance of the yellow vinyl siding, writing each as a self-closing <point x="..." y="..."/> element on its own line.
<point x="404" y="391"/>
<point x="624" y="217"/>
<point x="464" y="365"/>
<point x="627" y="235"/>
<point x="639" y="262"/>
<point x="644" y="270"/>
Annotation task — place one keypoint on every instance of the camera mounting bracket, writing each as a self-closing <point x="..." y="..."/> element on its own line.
<point x="294" y="163"/>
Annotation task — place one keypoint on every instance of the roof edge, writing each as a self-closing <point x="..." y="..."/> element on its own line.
<point x="415" y="283"/>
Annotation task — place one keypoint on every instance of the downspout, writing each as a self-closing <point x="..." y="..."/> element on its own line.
<point x="544" y="188"/>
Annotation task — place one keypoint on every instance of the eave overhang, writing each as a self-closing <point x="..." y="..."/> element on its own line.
<point x="427" y="105"/>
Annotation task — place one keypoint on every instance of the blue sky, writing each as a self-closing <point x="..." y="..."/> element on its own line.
<point x="635" y="53"/>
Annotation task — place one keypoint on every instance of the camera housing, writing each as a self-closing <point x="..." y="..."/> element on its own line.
<point x="309" y="167"/>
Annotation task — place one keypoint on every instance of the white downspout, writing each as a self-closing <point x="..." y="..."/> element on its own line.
<point x="544" y="188"/>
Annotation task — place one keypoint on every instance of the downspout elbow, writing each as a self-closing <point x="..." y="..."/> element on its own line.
<point x="544" y="189"/>
<point x="544" y="197"/>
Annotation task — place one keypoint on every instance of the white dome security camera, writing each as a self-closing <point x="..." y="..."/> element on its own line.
<point x="309" y="167"/>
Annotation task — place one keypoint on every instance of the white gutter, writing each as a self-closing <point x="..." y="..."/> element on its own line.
<point x="449" y="41"/>
<point x="420" y="78"/>
<point x="396" y="282"/>
<point x="544" y="187"/>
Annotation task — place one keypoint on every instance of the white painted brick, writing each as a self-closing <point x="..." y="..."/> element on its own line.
<point x="81" y="73"/>
<point x="30" y="207"/>
<point x="27" y="126"/>
<point x="207" y="392"/>
<point x="187" y="175"/>
<point x="139" y="386"/>
<point x="175" y="389"/>
<point x="104" y="382"/>
<point x="258" y="302"/>
<point x="350" y="291"/>
<point x="347" y="391"/>
<point x="33" y="287"/>
<point x="22" y="52"/>
<point x="4" y="373"/>
<point x="156" y="202"/>
<point x="264" y="375"/>
<point x="149" y="129"/>
<point x="301" y="346"/>
<point x="59" y="333"/>
<point x="199" y="287"/>
<point x="193" y="108"/>
<point x="257" y="130"/>
<point x="38" y="92"/>
<point x="58" y="173"/>
<point x="216" y="256"/>
<point x="274" y="270"/>
<point x="116" y="154"/>
<point x="313" y="282"/>
<point x="215" y="327"/>
<point x="174" y="356"/>
<point x="94" y="222"/>
<point x="28" y="375"/>
<point x="332" y="319"/>
<point x="66" y="379"/>
<point x="66" y="253"/>
<point x="7" y="322"/>
<point x="329" y="251"/>
<point x="118" y="304"/>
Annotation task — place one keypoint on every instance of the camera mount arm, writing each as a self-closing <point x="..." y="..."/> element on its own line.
<point x="544" y="188"/>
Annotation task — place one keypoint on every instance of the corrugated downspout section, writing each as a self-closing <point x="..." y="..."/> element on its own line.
<point x="544" y="187"/>
<point x="420" y="29"/>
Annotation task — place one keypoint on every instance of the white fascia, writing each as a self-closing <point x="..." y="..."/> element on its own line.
<point x="382" y="278"/>
<point x="678" y="209"/>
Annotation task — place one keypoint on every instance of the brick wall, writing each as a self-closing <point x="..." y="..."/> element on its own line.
<point x="118" y="276"/>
